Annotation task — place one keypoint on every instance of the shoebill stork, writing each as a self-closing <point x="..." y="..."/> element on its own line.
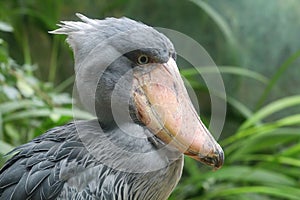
<point x="127" y="76"/>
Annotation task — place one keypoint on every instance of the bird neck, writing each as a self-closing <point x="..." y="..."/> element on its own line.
<point x="112" y="99"/>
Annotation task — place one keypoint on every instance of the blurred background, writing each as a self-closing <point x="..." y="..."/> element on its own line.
<point x="254" y="43"/>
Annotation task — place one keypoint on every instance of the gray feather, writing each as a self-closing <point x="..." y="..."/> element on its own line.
<point x="81" y="161"/>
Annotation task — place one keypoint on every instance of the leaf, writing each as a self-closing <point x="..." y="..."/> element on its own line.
<point x="225" y="70"/>
<point x="246" y="112"/>
<point x="7" y="107"/>
<point x="54" y="117"/>
<point x="218" y="19"/>
<point x="73" y="112"/>
<point x="278" y="191"/>
<point x="12" y="132"/>
<point x="5" y="147"/>
<point x="273" y="159"/>
<point x="271" y="109"/>
<point x="25" y="88"/>
<point x="27" y="114"/>
<point x="245" y="174"/>
<point x="5" y="27"/>
<point x="11" y="92"/>
<point x="60" y="99"/>
<point x="263" y="130"/>
<point x="292" y="150"/>
<point x="279" y="73"/>
<point x="263" y="142"/>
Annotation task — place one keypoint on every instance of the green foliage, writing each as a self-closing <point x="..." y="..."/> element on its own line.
<point x="262" y="157"/>
<point x="279" y="73"/>
<point x="26" y="103"/>
<point x="218" y="19"/>
<point x="28" y="106"/>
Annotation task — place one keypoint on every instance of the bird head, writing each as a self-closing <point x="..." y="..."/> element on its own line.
<point x="126" y="68"/>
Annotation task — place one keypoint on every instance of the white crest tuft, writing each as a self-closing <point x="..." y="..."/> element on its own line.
<point x="67" y="27"/>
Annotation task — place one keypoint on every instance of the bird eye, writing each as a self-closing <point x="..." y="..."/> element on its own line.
<point x="143" y="59"/>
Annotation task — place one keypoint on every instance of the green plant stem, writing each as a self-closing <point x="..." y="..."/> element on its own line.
<point x="218" y="19"/>
<point x="26" y="48"/>
<point x="53" y="61"/>
<point x="66" y="83"/>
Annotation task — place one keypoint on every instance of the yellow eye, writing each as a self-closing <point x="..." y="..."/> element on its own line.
<point x="143" y="59"/>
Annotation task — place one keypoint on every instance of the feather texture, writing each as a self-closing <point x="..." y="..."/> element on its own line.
<point x="57" y="165"/>
<point x="81" y="161"/>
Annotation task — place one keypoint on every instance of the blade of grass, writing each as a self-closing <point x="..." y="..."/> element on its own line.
<point x="78" y="114"/>
<point x="270" y="109"/>
<point x="280" y="192"/>
<point x="66" y="83"/>
<point x="225" y="70"/>
<point x="53" y="59"/>
<point x="240" y="107"/>
<point x="281" y="160"/>
<point x="279" y="73"/>
<point x="44" y="112"/>
<point x="7" y="107"/>
<point x="218" y="19"/>
<point x="251" y="175"/>
<point x="5" y="147"/>
<point x="268" y="130"/>
<point x="272" y="140"/>
<point x="291" y="151"/>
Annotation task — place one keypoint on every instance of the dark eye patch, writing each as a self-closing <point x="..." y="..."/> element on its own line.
<point x="144" y="56"/>
<point x="139" y="57"/>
